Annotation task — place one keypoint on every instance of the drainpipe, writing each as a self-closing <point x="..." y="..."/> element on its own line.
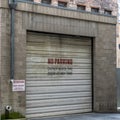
<point x="12" y="6"/>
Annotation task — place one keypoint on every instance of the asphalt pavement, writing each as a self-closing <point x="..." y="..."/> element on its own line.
<point x="86" y="116"/>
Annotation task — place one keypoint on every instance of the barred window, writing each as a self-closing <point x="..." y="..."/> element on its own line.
<point x="95" y="10"/>
<point x="62" y="4"/>
<point x="30" y="0"/>
<point x="46" y="1"/>
<point x="81" y="7"/>
<point x="107" y="12"/>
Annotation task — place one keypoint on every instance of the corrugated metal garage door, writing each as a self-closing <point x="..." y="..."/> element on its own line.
<point x="58" y="75"/>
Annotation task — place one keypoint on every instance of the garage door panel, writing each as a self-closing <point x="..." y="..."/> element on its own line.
<point x="81" y="56"/>
<point x="57" y="82"/>
<point x="57" y="87"/>
<point x="61" y="55"/>
<point x="53" y="49"/>
<point x="58" y="108"/>
<point x="61" y="70"/>
<point x="58" y="102"/>
<point x="36" y="60"/>
<point x="52" y="89"/>
<point x="58" y="55"/>
<point x="45" y="65"/>
<point x="37" y="66"/>
<point x="73" y="76"/>
<point x="56" y="113"/>
<point x="40" y="39"/>
<point x="57" y="47"/>
<point x="66" y="41"/>
<point x="57" y="95"/>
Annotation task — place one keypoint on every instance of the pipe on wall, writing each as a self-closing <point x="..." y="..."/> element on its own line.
<point x="12" y="5"/>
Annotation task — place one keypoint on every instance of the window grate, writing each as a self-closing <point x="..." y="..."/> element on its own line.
<point x="62" y="4"/>
<point x="107" y="12"/>
<point x="95" y="10"/>
<point x="46" y="1"/>
<point x="81" y="7"/>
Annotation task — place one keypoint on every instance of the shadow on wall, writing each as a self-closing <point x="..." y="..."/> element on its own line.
<point x="118" y="88"/>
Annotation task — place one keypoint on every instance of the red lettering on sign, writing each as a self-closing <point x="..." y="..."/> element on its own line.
<point x="60" y="61"/>
<point x="50" y="61"/>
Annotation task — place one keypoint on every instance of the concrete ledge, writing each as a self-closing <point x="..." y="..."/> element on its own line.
<point x="74" y="14"/>
<point x="56" y="11"/>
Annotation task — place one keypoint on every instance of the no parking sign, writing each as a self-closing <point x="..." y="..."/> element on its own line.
<point x="18" y="85"/>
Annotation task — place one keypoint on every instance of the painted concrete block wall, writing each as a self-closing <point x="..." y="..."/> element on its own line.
<point x="118" y="45"/>
<point x="4" y="57"/>
<point x="0" y="37"/>
<point x="105" y="47"/>
<point x="118" y="61"/>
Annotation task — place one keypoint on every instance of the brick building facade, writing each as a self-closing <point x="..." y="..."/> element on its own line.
<point x="110" y="5"/>
<point x="65" y="51"/>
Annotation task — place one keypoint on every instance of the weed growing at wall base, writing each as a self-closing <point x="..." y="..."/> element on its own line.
<point x="12" y="115"/>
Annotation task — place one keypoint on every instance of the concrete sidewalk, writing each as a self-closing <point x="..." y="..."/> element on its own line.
<point x="87" y="116"/>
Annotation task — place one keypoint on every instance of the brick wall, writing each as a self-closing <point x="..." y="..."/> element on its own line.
<point x="101" y="4"/>
<point x="72" y="4"/>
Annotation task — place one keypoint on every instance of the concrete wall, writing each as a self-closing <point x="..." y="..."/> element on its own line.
<point x="118" y="89"/>
<point x="34" y="17"/>
<point x="118" y="45"/>
<point x="0" y="63"/>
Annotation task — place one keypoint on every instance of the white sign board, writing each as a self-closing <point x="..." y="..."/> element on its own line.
<point x="18" y="85"/>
